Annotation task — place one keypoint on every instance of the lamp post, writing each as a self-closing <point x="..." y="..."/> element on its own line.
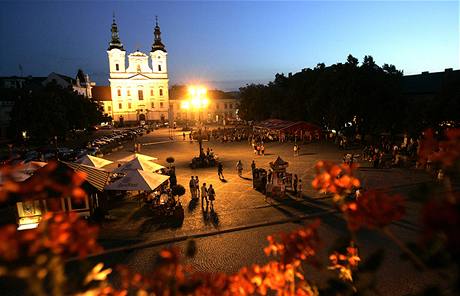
<point x="198" y="102"/>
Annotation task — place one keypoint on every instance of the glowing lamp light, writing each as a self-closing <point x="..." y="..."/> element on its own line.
<point x="185" y="105"/>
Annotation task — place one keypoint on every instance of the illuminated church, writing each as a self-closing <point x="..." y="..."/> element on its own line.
<point x="139" y="92"/>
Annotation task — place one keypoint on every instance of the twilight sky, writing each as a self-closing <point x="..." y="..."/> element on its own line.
<point x="228" y="44"/>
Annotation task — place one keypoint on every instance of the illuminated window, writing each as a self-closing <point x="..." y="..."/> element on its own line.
<point x="129" y="93"/>
<point x="153" y="105"/>
<point x="161" y="104"/>
<point x="161" y="92"/>
<point x="109" y="108"/>
<point x="129" y="105"/>
<point x="159" y="68"/>
<point x="231" y="106"/>
<point x="117" y="67"/>
<point x="119" y="92"/>
<point x="120" y="106"/>
<point x="140" y="93"/>
<point x="151" y="92"/>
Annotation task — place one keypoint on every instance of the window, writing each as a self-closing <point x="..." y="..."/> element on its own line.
<point x="161" y="104"/>
<point x="153" y="105"/>
<point x="117" y="67"/>
<point x="140" y="94"/>
<point x="119" y="92"/>
<point x="159" y="68"/>
<point x="129" y="93"/>
<point x="225" y="106"/>
<point x="109" y="108"/>
<point x="129" y="105"/>
<point x="120" y="106"/>
<point x="161" y="92"/>
<point x="231" y="106"/>
<point x="151" y="92"/>
<point x="138" y="68"/>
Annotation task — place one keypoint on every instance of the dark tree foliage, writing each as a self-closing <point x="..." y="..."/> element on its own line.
<point x="52" y="111"/>
<point x="331" y="96"/>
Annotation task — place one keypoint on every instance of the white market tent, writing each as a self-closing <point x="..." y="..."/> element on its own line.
<point x="135" y="180"/>
<point x="93" y="161"/>
<point x="139" y="164"/>
<point x="31" y="166"/>
<point x="137" y="155"/>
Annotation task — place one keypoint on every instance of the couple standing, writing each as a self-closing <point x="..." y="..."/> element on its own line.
<point x="207" y="194"/>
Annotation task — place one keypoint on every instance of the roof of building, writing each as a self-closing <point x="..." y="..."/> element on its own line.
<point x="427" y="83"/>
<point x="101" y="93"/>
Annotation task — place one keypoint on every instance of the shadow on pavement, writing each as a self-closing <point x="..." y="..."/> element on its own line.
<point x="223" y="180"/>
<point x="210" y="216"/>
<point x="192" y="204"/>
<point x="246" y="178"/>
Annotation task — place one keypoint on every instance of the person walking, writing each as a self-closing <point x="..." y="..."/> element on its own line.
<point x="262" y="149"/>
<point x="220" y="171"/>
<point x="211" y="195"/>
<point x="299" y="188"/>
<point x="183" y="136"/>
<point x="197" y="187"/>
<point x="239" y="167"/>
<point x="296" y="150"/>
<point x="253" y="166"/>
<point x="191" y="185"/>
<point x="295" y="182"/>
<point x="204" y="195"/>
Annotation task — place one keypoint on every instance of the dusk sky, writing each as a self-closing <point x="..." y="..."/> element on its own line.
<point x="228" y="44"/>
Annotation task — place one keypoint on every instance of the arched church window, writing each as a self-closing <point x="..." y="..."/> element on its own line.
<point x="159" y="68"/>
<point x="161" y="92"/>
<point x="117" y="67"/>
<point x="151" y="92"/>
<point x="129" y="93"/>
<point x="119" y="92"/>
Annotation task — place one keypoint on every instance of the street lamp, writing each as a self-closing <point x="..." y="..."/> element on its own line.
<point x="198" y="101"/>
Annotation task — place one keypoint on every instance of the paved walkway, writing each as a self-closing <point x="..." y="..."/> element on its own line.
<point x="237" y="204"/>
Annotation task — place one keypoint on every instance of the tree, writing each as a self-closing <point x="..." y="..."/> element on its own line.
<point x="52" y="111"/>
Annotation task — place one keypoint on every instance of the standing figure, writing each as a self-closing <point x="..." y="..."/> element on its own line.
<point x="211" y="196"/>
<point x="197" y="186"/>
<point x="183" y="136"/>
<point x="295" y="182"/>
<point x="220" y="171"/>
<point x="299" y="188"/>
<point x="253" y="166"/>
<point x="204" y="195"/>
<point x="262" y="149"/>
<point x="239" y="167"/>
<point x="191" y="185"/>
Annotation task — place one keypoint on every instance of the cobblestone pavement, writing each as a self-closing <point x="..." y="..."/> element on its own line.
<point x="234" y="235"/>
<point x="236" y="202"/>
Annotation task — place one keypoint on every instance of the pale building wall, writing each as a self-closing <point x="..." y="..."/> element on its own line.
<point x="139" y="91"/>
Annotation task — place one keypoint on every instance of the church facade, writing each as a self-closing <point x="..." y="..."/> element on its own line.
<point x="139" y="89"/>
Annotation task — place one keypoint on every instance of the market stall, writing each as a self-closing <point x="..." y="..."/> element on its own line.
<point x="278" y="180"/>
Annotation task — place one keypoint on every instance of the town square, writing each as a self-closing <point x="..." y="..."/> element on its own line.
<point x="230" y="148"/>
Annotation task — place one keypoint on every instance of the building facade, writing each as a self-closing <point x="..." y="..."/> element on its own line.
<point x="222" y="107"/>
<point x="139" y="90"/>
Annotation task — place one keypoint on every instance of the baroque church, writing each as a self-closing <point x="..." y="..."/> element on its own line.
<point x="139" y="90"/>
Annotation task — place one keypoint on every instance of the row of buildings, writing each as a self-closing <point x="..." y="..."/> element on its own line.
<point x="138" y="90"/>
